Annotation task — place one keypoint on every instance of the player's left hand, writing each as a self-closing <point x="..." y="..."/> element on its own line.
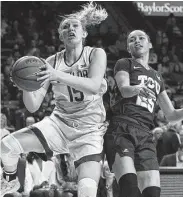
<point x="47" y="73"/>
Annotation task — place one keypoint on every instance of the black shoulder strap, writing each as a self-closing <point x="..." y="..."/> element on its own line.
<point x="54" y="64"/>
<point x="130" y="62"/>
<point x="90" y="54"/>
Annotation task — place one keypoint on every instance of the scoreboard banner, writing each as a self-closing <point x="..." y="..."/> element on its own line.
<point x="160" y="8"/>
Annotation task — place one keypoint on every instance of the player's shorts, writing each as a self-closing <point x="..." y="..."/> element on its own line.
<point x="58" y="137"/>
<point x="129" y="139"/>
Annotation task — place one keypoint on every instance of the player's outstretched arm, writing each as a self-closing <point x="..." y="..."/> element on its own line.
<point x="123" y="82"/>
<point x="172" y="114"/>
<point x="89" y="85"/>
<point x="33" y="100"/>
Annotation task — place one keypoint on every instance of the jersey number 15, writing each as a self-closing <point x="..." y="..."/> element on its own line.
<point x="75" y="95"/>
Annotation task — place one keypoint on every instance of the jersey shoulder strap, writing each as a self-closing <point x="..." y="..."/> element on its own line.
<point x="55" y="61"/>
<point x="130" y="63"/>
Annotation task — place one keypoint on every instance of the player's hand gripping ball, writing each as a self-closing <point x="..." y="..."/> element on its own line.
<point x="24" y="73"/>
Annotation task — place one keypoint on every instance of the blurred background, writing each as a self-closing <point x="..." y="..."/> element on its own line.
<point x="30" y="28"/>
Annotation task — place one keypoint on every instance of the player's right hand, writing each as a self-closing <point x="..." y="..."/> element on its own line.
<point x="144" y="91"/>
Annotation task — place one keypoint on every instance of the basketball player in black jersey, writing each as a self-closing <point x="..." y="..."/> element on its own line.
<point x="129" y="145"/>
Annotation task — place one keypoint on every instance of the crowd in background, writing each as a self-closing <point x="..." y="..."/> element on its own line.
<point x="33" y="31"/>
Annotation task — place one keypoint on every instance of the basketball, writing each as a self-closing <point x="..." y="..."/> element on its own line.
<point x="24" y="73"/>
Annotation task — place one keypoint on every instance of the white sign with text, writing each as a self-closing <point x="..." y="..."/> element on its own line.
<point x="160" y="8"/>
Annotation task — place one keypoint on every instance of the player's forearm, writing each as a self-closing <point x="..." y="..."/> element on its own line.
<point x="30" y="102"/>
<point x="176" y="115"/>
<point x="129" y="91"/>
<point x="87" y="85"/>
<point x="33" y="100"/>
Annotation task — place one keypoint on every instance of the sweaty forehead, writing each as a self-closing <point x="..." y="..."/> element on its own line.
<point x="70" y="21"/>
<point x="137" y="33"/>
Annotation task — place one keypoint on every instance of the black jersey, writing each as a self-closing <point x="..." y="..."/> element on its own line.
<point x="138" y="108"/>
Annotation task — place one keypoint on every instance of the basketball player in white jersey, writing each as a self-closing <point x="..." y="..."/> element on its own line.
<point x="77" y="123"/>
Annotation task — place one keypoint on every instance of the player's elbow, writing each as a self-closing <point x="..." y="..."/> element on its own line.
<point x="31" y="102"/>
<point x="32" y="109"/>
<point x="125" y="93"/>
<point x="172" y="117"/>
<point x="169" y="118"/>
<point x="94" y="89"/>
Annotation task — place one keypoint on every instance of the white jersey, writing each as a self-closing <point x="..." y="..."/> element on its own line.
<point x="72" y="104"/>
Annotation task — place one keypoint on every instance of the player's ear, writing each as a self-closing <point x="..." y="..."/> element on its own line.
<point x="85" y="33"/>
<point x="150" y="45"/>
<point x="128" y="49"/>
<point x="60" y="37"/>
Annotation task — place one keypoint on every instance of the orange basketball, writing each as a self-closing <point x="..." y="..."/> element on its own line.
<point x="24" y="73"/>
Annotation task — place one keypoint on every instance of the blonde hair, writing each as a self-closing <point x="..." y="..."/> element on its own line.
<point x="91" y="14"/>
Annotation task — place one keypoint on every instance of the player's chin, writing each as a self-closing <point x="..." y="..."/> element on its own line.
<point x="137" y="54"/>
<point x="73" y="41"/>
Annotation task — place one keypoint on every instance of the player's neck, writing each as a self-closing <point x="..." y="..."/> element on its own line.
<point x="143" y="60"/>
<point x="73" y="54"/>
